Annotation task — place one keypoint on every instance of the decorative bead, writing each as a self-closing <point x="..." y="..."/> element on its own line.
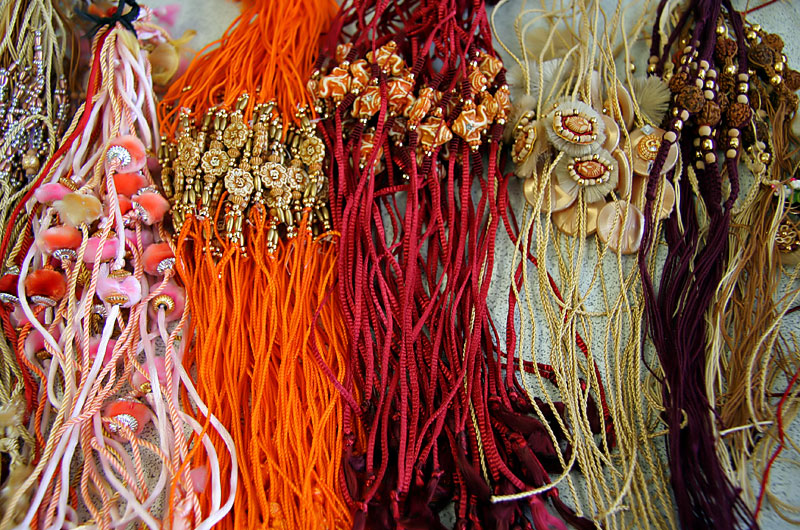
<point x="725" y="48"/>
<point x="670" y="137"/>
<point x="708" y="144"/>
<point x="739" y="113"/>
<point x="704" y="130"/>
<point x="710" y="158"/>
<point x="775" y="80"/>
<point x="731" y="153"/>
<point x="734" y="143"/>
<point x="691" y="98"/>
<point x="773" y="41"/>
<point x="678" y="81"/>
<point x="792" y="79"/>
<point x="678" y="124"/>
<point x="711" y="114"/>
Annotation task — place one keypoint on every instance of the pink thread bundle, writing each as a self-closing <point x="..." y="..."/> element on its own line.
<point x="103" y="318"/>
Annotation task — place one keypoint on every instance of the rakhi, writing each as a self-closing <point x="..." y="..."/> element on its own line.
<point x="702" y="119"/>
<point x="36" y="50"/>
<point x="95" y="295"/>
<point x="409" y="112"/>
<point x="584" y="136"/>
<point x="751" y="358"/>
<point x="242" y="167"/>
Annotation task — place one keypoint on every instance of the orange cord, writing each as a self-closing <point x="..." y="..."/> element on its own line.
<point x="252" y="312"/>
<point x="267" y="52"/>
<point x="252" y="319"/>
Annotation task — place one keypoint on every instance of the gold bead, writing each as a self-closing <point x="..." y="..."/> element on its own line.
<point x="778" y="67"/>
<point x="751" y="35"/>
<point x="776" y="80"/>
<point x="734" y="142"/>
<point x="765" y="158"/>
<point x="720" y="30"/>
<point x="756" y="27"/>
<point x="30" y="162"/>
<point x="632" y="67"/>
<point x="730" y="69"/>
<point x="708" y="144"/>
<point x="164" y="302"/>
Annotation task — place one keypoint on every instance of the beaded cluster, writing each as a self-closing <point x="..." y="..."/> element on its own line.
<point x="434" y="116"/>
<point x="22" y="99"/>
<point x="266" y="164"/>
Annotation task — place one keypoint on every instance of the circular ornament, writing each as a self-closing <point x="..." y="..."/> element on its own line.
<point x="575" y="128"/>
<point x="239" y="182"/>
<point x="215" y="162"/>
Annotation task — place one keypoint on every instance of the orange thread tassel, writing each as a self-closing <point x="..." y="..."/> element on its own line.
<point x="256" y="307"/>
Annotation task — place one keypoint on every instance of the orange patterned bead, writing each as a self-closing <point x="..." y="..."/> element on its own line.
<point x="400" y="93"/>
<point x="367" y="104"/>
<point x="361" y="75"/>
<point x="342" y="51"/>
<point x="419" y="108"/>
<point x="471" y="123"/>
<point x="433" y="133"/>
<point x="335" y="85"/>
<point x="477" y="81"/>
<point x="490" y="66"/>
<point x="367" y="146"/>
<point x="489" y="103"/>
<point x="503" y="99"/>
<point x="387" y="59"/>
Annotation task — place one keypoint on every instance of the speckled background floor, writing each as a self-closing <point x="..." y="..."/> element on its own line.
<point x="210" y="18"/>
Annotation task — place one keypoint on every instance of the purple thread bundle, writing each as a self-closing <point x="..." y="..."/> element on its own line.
<point x="704" y="495"/>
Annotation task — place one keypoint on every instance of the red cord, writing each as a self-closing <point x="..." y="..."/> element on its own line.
<point x="765" y="4"/>
<point x="779" y="449"/>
